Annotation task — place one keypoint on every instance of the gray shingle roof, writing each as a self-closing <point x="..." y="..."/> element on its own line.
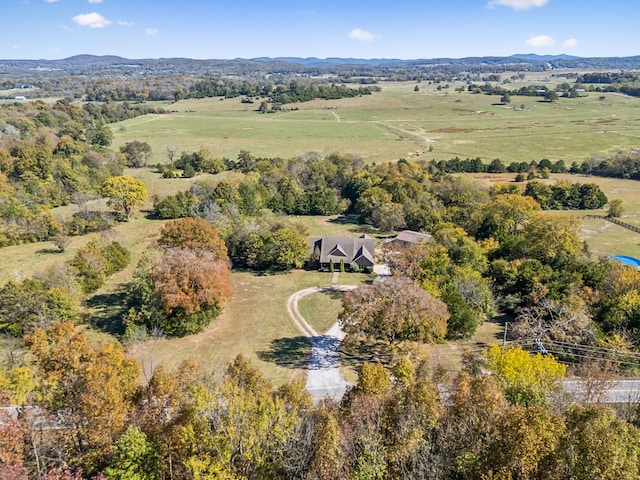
<point x="347" y="249"/>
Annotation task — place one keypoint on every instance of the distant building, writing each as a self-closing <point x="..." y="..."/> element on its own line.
<point x="355" y="253"/>
<point x="407" y="238"/>
<point x="20" y="98"/>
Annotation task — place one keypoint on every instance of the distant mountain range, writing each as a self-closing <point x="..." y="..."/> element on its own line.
<point x="113" y="65"/>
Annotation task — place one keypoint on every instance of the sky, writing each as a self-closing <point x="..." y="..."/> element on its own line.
<point x="412" y="29"/>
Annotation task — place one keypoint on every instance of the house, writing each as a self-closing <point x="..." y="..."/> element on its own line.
<point x="355" y="253"/>
<point x="407" y="238"/>
<point x="20" y="98"/>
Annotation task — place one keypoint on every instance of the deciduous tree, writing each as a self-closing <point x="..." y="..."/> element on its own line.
<point x="525" y="379"/>
<point x="195" y="234"/>
<point x="89" y="390"/>
<point x="124" y="194"/>
<point x="191" y="280"/>
<point x="136" y="153"/>
<point x="392" y="311"/>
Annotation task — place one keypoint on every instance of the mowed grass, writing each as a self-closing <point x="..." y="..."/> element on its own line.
<point x="321" y="309"/>
<point x="255" y="324"/>
<point x="399" y="122"/>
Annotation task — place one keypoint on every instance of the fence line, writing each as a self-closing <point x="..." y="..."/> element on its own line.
<point x="617" y="221"/>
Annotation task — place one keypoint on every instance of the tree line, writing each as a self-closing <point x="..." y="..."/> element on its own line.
<point x="89" y="418"/>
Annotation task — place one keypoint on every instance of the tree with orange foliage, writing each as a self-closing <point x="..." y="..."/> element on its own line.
<point x="88" y="391"/>
<point x="193" y="233"/>
<point x="193" y="286"/>
<point x="12" y="441"/>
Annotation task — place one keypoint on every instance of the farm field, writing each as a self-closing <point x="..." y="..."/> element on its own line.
<point x="399" y="122"/>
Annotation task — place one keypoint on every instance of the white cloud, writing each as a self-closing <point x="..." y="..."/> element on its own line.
<point x="541" y="41"/>
<point x="91" y="20"/>
<point x="152" y="32"/>
<point x="124" y="23"/>
<point x="518" y="4"/>
<point x="49" y="1"/>
<point x="95" y="1"/>
<point x="571" y="43"/>
<point x="362" y="35"/>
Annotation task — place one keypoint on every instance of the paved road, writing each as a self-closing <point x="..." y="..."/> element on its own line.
<point x="618" y="391"/>
<point x="324" y="379"/>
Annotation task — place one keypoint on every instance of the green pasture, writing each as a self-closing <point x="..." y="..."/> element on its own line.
<point x="399" y="122"/>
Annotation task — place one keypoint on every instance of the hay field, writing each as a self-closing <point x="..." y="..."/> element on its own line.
<point x="399" y="122"/>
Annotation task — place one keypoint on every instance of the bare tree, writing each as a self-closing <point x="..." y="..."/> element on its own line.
<point x="172" y="151"/>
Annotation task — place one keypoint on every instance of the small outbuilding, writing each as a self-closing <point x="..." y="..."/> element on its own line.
<point x="406" y="238"/>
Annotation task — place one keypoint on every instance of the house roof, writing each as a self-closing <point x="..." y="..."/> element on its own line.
<point x="409" y="236"/>
<point x="348" y="249"/>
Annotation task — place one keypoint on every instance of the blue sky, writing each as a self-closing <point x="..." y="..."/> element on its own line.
<point x="53" y="29"/>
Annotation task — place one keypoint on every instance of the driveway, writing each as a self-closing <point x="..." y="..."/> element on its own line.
<point x="324" y="379"/>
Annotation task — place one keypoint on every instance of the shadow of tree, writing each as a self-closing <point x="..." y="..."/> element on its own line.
<point x="331" y="293"/>
<point x="49" y="250"/>
<point x="106" y="312"/>
<point x="359" y="228"/>
<point x="290" y="352"/>
<point x="345" y="220"/>
<point x="355" y="353"/>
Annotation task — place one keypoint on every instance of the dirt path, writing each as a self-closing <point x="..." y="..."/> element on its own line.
<point x="324" y="379"/>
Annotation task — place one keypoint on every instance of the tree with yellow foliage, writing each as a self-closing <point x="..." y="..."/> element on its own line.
<point x="124" y="194"/>
<point x="524" y="378"/>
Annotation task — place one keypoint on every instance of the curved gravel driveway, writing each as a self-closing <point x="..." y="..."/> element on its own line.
<point x="324" y="379"/>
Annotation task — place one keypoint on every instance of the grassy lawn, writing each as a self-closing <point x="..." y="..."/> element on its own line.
<point x="398" y="123"/>
<point x="255" y="323"/>
<point x="321" y="309"/>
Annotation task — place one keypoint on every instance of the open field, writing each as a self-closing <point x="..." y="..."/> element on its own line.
<point x="399" y="123"/>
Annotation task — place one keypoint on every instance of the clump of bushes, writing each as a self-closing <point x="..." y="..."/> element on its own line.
<point x="97" y="261"/>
